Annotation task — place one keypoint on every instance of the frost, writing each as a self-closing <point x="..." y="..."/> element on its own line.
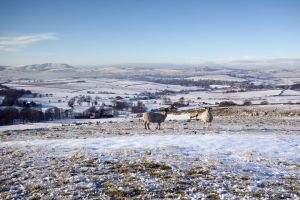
<point x="236" y="158"/>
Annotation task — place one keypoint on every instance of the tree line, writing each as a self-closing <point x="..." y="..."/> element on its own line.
<point x="13" y="109"/>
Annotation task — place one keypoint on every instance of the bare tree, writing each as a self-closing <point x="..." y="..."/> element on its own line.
<point x="139" y="108"/>
<point x="8" y="116"/>
<point x="71" y="102"/>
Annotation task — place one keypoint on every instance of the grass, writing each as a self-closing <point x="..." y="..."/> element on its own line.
<point x="126" y="179"/>
<point x="213" y="196"/>
<point x="197" y="171"/>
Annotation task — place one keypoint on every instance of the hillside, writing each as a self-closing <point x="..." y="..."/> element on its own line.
<point x="239" y="156"/>
<point x="45" y="67"/>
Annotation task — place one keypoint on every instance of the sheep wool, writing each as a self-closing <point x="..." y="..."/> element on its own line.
<point x="154" y="118"/>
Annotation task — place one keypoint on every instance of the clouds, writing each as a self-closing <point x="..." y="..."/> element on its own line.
<point x="252" y="61"/>
<point x="14" y="43"/>
<point x="247" y="61"/>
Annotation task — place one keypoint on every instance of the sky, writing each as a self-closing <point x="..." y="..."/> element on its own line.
<point x="98" y="32"/>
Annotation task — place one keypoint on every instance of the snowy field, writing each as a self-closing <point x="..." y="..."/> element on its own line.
<point x="58" y="92"/>
<point x="216" y="77"/>
<point x="238" y="157"/>
<point x="249" y="152"/>
<point x="62" y="82"/>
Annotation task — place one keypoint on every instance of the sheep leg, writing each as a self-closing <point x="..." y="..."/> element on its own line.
<point x="148" y="124"/>
<point x="158" y="126"/>
<point x="204" y="126"/>
<point x="209" y="126"/>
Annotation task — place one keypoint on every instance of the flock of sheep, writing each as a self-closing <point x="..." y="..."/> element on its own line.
<point x="152" y="117"/>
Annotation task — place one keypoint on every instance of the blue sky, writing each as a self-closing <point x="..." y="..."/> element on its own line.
<point x="96" y="32"/>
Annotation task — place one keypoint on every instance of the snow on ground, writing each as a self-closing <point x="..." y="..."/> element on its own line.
<point x="271" y="96"/>
<point x="234" y="147"/>
<point x="291" y="92"/>
<point x="219" y="86"/>
<point x="51" y="124"/>
<point x="288" y="80"/>
<point x="60" y="91"/>
<point x="117" y="86"/>
<point x="184" y="116"/>
<point x="28" y="126"/>
<point x="216" y="77"/>
<point x="238" y="157"/>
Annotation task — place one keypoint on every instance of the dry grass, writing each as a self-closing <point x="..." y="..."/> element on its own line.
<point x="71" y="176"/>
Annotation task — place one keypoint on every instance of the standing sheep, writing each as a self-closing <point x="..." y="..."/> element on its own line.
<point x="154" y="118"/>
<point x="207" y="116"/>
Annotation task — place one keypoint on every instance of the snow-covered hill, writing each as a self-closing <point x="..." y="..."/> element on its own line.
<point x="46" y="67"/>
<point x="238" y="157"/>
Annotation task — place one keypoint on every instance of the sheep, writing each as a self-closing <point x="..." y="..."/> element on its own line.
<point x="194" y="115"/>
<point x="154" y="118"/>
<point x="207" y="116"/>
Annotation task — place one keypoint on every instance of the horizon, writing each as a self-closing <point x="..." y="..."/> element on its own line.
<point x="278" y="63"/>
<point x="232" y="34"/>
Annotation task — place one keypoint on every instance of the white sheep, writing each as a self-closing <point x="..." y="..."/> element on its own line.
<point x="207" y="116"/>
<point x="154" y="118"/>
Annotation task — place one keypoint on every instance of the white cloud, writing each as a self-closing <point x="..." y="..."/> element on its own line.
<point x="15" y="43"/>
<point x="262" y="62"/>
<point x="249" y="62"/>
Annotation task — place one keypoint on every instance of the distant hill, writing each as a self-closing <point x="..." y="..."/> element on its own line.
<point x="46" y="67"/>
<point x="2" y="68"/>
